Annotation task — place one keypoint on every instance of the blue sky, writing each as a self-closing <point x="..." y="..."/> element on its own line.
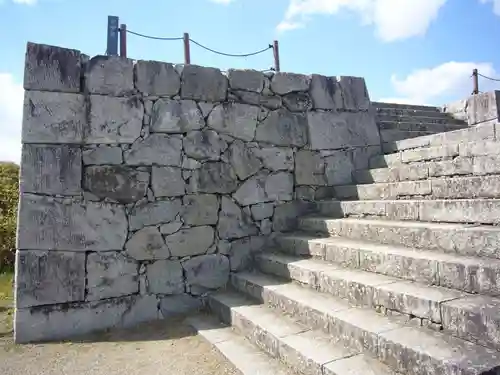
<point x="418" y="51"/>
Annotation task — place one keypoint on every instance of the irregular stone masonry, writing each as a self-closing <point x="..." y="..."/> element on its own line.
<point x="144" y="184"/>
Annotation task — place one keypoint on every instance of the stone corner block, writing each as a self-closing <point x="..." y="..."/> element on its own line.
<point x="202" y="83"/>
<point x="353" y="94"/>
<point x="483" y="107"/>
<point x="156" y="78"/>
<point x="285" y="83"/>
<point x="109" y="75"/>
<point x="246" y="79"/>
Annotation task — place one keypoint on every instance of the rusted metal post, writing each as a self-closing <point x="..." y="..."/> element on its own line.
<point x="187" y="51"/>
<point x="123" y="40"/>
<point x="475" y="82"/>
<point x="276" y="52"/>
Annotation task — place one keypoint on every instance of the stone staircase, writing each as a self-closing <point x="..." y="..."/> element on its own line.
<point x="399" y="276"/>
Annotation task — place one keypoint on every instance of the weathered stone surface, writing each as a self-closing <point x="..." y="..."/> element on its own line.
<point x="181" y="305"/>
<point x="51" y="170"/>
<point x="297" y="102"/>
<point x="214" y="178"/>
<point x="50" y="68"/>
<point x="246" y="79"/>
<point x="119" y="183"/>
<point x="165" y="277"/>
<point x="51" y="117"/>
<point x="307" y="193"/>
<point x="243" y="159"/>
<point x="154" y="213"/>
<point x="207" y="271"/>
<point x="103" y="155"/>
<point x="48" y="277"/>
<point x="191" y="241"/>
<point x="159" y="149"/>
<point x="262" y="211"/>
<point x="279" y="186"/>
<point x="176" y="116"/>
<point x="167" y="182"/>
<point x="110" y="75"/>
<point x="70" y="226"/>
<point x="206" y="108"/>
<point x="171" y="228"/>
<point x="241" y="252"/>
<point x="339" y="168"/>
<point x="252" y="191"/>
<point x="200" y="209"/>
<point x="361" y="156"/>
<point x="284" y="83"/>
<point x="201" y="83"/>
<point x="309" y="168"/>
<point x="111" y="275"/>
<point x="483" y="107"/>
<point x="275" y="158"/>
<point x="323" y="90"/>
<point x="234" y="119"/>
<point x="205" y="144"/>
<point x="353" y="94"/>
<point x="233" y="222"/>
<point x="114" y="120"/>
<point x="283" y="128"/>
<point x="286" y="214"/>
<point x="156" y="78"/>
<point x="147" y="244"/>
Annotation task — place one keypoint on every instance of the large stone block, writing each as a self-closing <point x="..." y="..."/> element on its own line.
<point x="191" y="241"/>
<point x="179" y="305"/>
<point x="284" y="83"/>
<point x="234" y="119"/>
<point x="206" y="272"/>
<point x="159" y="149"/>
<point x="167" y="182"/>
<point x="165" y="277"/>
<point x="147" y="244"/>
<point x="154" y="213"/>
<point x="242" y="251"/>
<point x="233" y="222"/>
<point x="49" y="277"/>
<point x="204" y="145"/>
<point x="286" y="215"/>
<point x="200" y="209"/>
<point x="110" y="75"/>
<point x="323" y="92"/>
<point x="114" y="120"/>
<point x="51" y="170"/>
<point x="111" y="275"/>
<point x="253" y="190"/>
<point x="276" y="158"/>
<point x="309" y="168"/>
<point x="201" y="83"/>
<point x="283" y="128"/>
<point x="279" y="186"/>
<point x="176" y="116"/>
<point x="63" y="225"/>
<point x="339" y="168"/>
<point x="156" y="78"/>
<point x="353" y="94"/>
<point x="214" y="178"/>
<point x="244" y="161"/>
<point x="246" y="79"/>
<point x="262" y="211"/>
<point x="52" y="117"/>
<point x="103" y="155"/>
<point x="483" y="107"/>
<point x="122" y="184"/>
<point x="49" y="68"/>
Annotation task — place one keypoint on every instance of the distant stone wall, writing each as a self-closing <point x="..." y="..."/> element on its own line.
<point x="144" y="184"/>
<point x="476" y="109"/>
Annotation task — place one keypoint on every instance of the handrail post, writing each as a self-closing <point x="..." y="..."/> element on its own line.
<point x="475" y="82"/>
<point x="187" y="52"/>
<point x="276" y="52"/>
<point x="123" y="40"/>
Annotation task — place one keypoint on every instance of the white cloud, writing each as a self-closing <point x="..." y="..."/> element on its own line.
<point x="25" y="2"/>
<point x="225" y="2"/>
<point x="393" y="19"/>
<point x="11" y="109"/>
<point x="496" y="5"/>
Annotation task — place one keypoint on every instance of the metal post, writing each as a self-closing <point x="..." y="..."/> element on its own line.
<point x="123" y="40"/>
<point x="187" y="51"/>
<point x="475" y="82"/>
<point x="112" y="43"/>
<point x="276" y="52"/>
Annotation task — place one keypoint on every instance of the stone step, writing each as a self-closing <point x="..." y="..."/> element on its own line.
<point x="478" y="211"/>
<point x="247" y="358"/>
<point x="418" y="126"/>
<point x="450" y="239"/>
<point x="305" y="350"/>
<point x="406" y="349"/>
<point x="418" y="118"/>
<point x="410" y="113"/>
<point x="412" y="107"/>
<point x="393" y="135"/>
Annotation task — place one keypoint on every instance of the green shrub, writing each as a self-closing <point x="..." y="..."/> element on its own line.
<point x="9" y="195"/>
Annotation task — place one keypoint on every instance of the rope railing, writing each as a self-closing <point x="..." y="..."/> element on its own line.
<point x="475" y="81"/>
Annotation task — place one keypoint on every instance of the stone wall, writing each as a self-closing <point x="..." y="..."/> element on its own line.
<point x="476" y="109"/>
<point x="144" y="184"/>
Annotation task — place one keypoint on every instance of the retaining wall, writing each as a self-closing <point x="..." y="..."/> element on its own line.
<point x="477" y="109"/>
<point x="144" y="184"/>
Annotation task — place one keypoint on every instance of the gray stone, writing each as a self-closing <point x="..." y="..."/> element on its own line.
<point x="51" y="117"/>
<point x="361" y="156"/>
<point x="51" y="170"/>
<point x="309" y="168"/>
<point x="119" y="183"/>
<point x="284" y="83"/>
<point x="207" y="271"/>
<point x="156" y="78"/>
<point x="246" y="79"/>
<point x="266" y="227"/>
<point x="109" y="75"/>
<point x="241" y="252"/>
<point x="171" y="228"/>
<point x="49" y="277"/>
<point x="159" y="149"/>
<point x="70" y="226"/>
<point x="176" y="116"/>
<point x="205" y="144"/>
<point x="179" y="305"/>
<point x="190" y="164"/>
<point x="103" y="155"/>
<point x="483" y="107"/>
<point x="234" y="119"/>
<point x="191" y="241"/>
<point x="252" y="191"/>
<point x="323" y="90"/>
<point x="353" y="94"/>
<point x="214" y="178"/>
<point x="200" y="209"/>
<point x="233" y="222"/>
<point x="147" y="244"/>
<point x="307" y="193"/>
<point x="262" y="211"/>
<point x="339" y="168"/>
<point x="111" y="275"/>
<point x="201" y="83"/>
<point x="243" y="160"/>
<point x="286" y="215"/>
<point x="276" y="158"/>
<point x="50" y="68"/>
<point x="297" y="102"/>
<point x="283" y="128"/>
<point x="154" y="213"/>
<point x="165" y="277"/>
<point x="114" y="120"/>
<point x="167" y="182"/>
<point x="279" y="186"/>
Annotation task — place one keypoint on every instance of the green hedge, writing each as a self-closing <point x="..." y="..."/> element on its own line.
<point x="9" y="195"/>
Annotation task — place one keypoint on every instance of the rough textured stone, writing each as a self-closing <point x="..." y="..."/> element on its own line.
<point x="110" y="75"/>
<point x="201" y="83"/>
<point x="48" y="277"/>
<point x="147" y="244"/>
<point x="181" y="304"/>
<point x="279" y="186"/>
<point x="234" y="119"/>
<point x="252" y="191"/>
<point x="249" y="80"/>
<point x="284" y="83"/>
<point x="262" y="211"/>
<point x="171" y="228"/>
<point x="114" y="120"/>
<point x="192" y="241"/>
<point x="276" y="158"/>
<point x="154" y="213"/>
<point x="165" y="277"/>
<point x="286" y="215"/>
<point x="323" y="90"/>
<point x="50" y="68"/>
<point x="111" y="275"/>
<point x="353" y="94"/>
<point x="119" y="183"/>
<point x="200" y="209"/>
<point x="233" y="222"/>
<point x="361" y="156"/>
<point x="103" y="155"/>
<point x="70" y="226"/>
<point x="159" y="149"/>
<point x="207" y="271"/>
<point x="51" y="170"/>
<point x="241" y="252"/>
<point x="167" y="182"/>
<point x="339" y="168"/>
<point x="156" y="78"/>
<point x="297" y="102"/>
<point x="214" y="178"/>
<point x="205" y="144"/>
<point x="244" y="161"/>
<point x="283" y="128"/>
<point x="51" y="117"/>
<point x="309" y="168"/>
<point x="176" y="116"/>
